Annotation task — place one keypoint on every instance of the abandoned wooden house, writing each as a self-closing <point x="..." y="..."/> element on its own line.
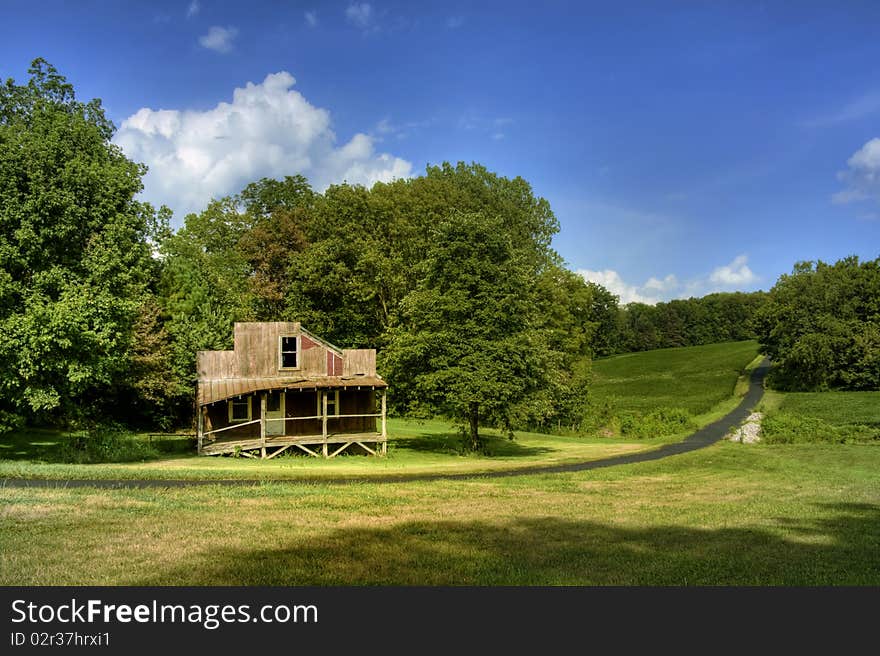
<point x="282" y="387"/>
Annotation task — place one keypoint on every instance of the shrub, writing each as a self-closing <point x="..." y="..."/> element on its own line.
<point x="786" y="428"/>
<point x="104" y="445"/>
<point x="656" y="423"/>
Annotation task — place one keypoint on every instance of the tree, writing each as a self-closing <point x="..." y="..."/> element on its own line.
<point x="75" y="250"/>
<point x="821" y="326"/>
<point x="464" y="345"/>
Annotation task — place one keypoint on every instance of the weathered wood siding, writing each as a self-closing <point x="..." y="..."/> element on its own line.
<point x="358" y="362"/>
<point x="216" y="364"/>
<point x="218" y="417"/>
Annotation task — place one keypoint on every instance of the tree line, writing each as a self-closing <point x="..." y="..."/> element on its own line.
<point x="449" y="275"/>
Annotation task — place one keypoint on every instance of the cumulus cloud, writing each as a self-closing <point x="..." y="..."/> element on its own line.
<point x="219" y="39"/>
<point x="311" y="18"/>
<point x="654" y="290"/>
<point x="737" y="273"/>
<point x="627" y="293"/>
<point x="268" y="130"/>
<point x="193" y="9"/>
<point x="359" y="14"/>
<point x="862" y="178"/>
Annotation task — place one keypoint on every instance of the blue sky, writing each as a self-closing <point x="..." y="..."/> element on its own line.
<point x="684" y="147"/>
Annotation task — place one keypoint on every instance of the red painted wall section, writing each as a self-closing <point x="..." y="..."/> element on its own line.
<point x="307" y="343"/>
<point x="334" y="364"/>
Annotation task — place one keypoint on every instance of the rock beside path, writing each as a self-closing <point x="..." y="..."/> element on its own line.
<point x="750" y="431"/>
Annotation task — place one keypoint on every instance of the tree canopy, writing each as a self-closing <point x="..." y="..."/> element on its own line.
<point x="75" y="249"/>
<point x="821" y="326"/>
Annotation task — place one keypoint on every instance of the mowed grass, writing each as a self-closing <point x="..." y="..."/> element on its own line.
<point x="730" y="514"/>
<point x="415" y="447"/>
<point x="701" y="379"/>
<point x="832" y="417"/>
<point x="836" y="408"/>
<point x="695" y="378"/>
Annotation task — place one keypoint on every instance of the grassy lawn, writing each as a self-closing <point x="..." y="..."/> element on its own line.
<point x="815" y="417"/>
<point x="729" y="514"/>
<point x="414" y="448"/>
<point x="836" y="408"/>
<point x="695" y="378"/>
<point x="430" y="447"/>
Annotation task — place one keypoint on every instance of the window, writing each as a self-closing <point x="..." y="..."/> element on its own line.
<point x="240" y="409"/>
<point x="332" y="403"/>
<point x="288" y="351"/>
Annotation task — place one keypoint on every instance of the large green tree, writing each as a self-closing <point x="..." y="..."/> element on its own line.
<point x="466" y="344"/>
<point x="821" y="326"/>
<point x="75" y="251"/>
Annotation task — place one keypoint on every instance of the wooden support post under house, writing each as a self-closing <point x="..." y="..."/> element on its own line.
<point x="200" y="427"/>
<point x="263" y="425"/>
<point x="324" y="421"/>
<point x="384" y="427"/>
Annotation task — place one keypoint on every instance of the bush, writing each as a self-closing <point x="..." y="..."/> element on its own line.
<point x="104" y="445"/>
<point x="656" y="423"/>
<point x="785" y="428"/>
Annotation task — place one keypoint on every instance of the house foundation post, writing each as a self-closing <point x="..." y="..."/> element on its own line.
<point x="263" y="425"/>
<point x="200" y="428"/>
<point x="384" y="425"/>
<point x="324" y="421"/>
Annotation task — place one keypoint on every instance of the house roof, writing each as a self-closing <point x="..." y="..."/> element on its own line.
<point x="220" y="389"/>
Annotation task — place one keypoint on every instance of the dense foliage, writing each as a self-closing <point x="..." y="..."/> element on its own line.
<point x="720" y="317"/>
<point x="821" y="326"/>
<point x="450" y="275"/>
<point x="75" y="249"/>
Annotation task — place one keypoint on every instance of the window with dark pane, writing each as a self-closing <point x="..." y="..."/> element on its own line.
<point x="273" y="402"/>
<point x="288" y="353"/>
<point x="240" y="409"/>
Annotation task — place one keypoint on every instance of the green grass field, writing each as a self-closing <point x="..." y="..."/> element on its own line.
<point x="735" y="514"/>
<point x="415" y="447"/>
<point x="816" y="417"/>
<point x="695" y="378"/>
<point x="430" y="447"/>
<point x="730" y="514"/>
<point x="836" y="408"/>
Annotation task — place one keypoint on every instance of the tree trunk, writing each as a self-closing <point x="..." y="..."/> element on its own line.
<point x="474" y="421"/>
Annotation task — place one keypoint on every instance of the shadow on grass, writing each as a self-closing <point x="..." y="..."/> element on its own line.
<point x="453" y="444"/>
<point x="841" y="547"/>
<point x="34" y="444"/>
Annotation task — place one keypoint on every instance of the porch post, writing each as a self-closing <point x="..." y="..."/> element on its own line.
<point x="384" y="426"/>
<point x="200" y="427"/>
<point x="324" y="420"/>
<point x="263" y="425"/>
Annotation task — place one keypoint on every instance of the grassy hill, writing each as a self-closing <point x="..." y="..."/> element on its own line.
<point x="694" y="378"/>
<point x="833" y="417"/>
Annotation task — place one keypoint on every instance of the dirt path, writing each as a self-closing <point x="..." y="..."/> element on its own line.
<point x="702" y="438"/>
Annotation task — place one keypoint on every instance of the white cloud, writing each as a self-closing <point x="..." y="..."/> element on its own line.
<point x="193" y="9"/>
<point x="627" y="293"/>
<point x="454" y="22"/>
<point x="668" y="283"/>
<point x="654" y="290"/>
<point x="219" y="39"/>
<point x="862" y="178"/>
<point x="359" y="14"/>
<point x="311" y="18"/>
<point x="268" y="130"/>
<point x="737" y="273"/>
